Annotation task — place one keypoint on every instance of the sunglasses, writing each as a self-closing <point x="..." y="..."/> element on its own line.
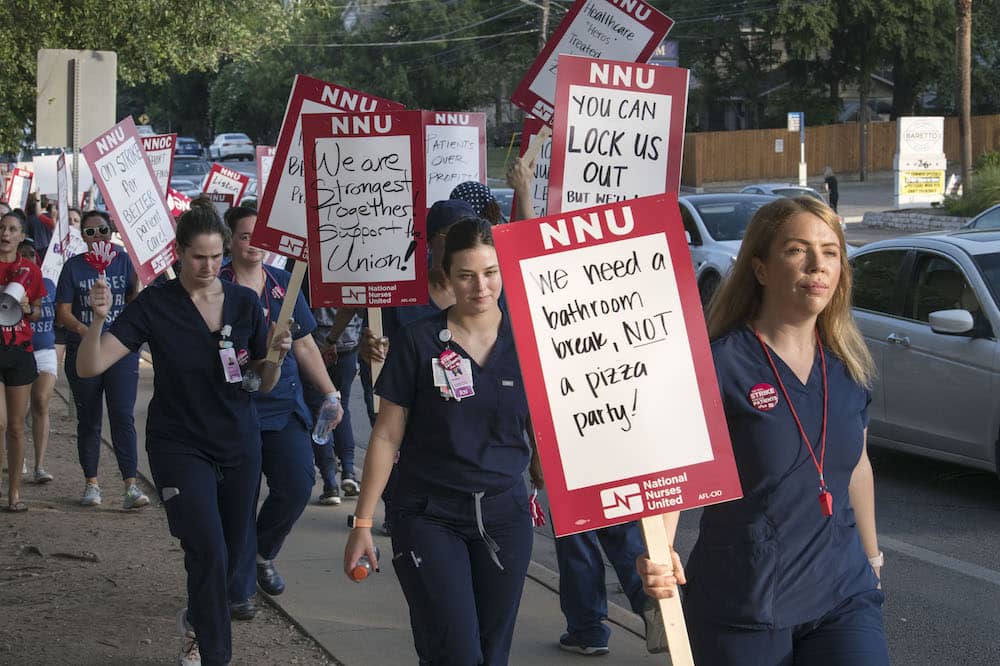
<point x="97" y="231"/>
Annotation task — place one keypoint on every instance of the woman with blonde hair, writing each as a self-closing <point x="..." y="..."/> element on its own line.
<point x="789" y="573"/>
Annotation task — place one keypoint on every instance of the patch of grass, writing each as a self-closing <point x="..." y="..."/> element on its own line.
<point x="985" y="193"/>
<point x="496" y="163"/>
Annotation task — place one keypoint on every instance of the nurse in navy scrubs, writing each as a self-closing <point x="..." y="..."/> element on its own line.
<point x="208" y="339"/>
<point x="790" y="573"/>
<point x="461" y="531"/>
<point x="285" y="422"/>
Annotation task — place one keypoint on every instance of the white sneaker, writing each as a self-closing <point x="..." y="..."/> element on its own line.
<point x="41" y="476"/>
<point x="134" y="498"/>
<point x="190" y="655"/>
<point x="91" y="495"/>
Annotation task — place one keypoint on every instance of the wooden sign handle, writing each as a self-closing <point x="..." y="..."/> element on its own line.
<point x="536" y="144"/>
<point x="375" y="324"/>
<point x="658" y="547"/>
<point x="288" y="305"/>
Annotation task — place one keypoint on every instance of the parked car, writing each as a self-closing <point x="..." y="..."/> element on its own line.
<point x="714" y="224"/>
<point x="192" y="169"/>
<point x="145" y="130"/>
<point x="505" y="199"/>
<point x="788" y="190"/>
<point x="927" y="306"/>
<point x="988" y="219"/>
<point x="188" y="147"/>
<point x="230" y="145"/>
<point x="185" y="186"/>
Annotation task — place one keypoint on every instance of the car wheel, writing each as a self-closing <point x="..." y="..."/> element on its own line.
<point x="707" y="287"/>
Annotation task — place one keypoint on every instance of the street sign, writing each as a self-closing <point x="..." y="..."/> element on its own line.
<point x="794" y="121"/>
<point x="68" y="80"/>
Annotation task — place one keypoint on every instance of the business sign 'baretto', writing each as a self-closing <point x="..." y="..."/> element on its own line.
<point x="612" y="343"/>
<point x="366" y="209"/>
<point x="619" y="132"/>
<point x="628" y="30"/>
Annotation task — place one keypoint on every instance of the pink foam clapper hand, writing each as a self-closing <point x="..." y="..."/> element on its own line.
<point x="100" y="257"/>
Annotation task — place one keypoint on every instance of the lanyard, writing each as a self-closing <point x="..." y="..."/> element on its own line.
<point x="825" y="498"/>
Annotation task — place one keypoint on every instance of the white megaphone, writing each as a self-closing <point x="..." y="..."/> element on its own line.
<point x="10" y="303"/>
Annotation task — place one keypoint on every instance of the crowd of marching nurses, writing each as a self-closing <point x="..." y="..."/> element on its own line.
<point x="787" y="575"/>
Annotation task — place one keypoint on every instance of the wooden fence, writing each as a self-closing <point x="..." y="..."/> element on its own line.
<point x="750" y="154"/>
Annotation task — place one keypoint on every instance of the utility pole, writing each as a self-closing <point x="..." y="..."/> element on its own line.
<point x="963" y="52"/>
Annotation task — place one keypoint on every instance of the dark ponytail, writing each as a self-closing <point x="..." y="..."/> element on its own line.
<point x="200" y="220"/>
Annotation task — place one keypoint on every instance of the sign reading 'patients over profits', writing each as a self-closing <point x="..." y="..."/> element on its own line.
<point x="619" y="132"/>
<point x="366" y="210"/>
<point x="616" y="363"/>
<point x="128" y="184"/>
<point x="456" y="151"/>
<point x="628" y="30"/>
<point x="281" y="216"/>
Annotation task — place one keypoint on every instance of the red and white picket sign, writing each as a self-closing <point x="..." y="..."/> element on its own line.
<point x="456" y="151"/>
<point x="540" y="176"/>
<point x="365" y="208"/>
<point x="281" y="213"/>
<point x="222" y="201"/>
<point x="122" y="172"/>
<point x="223" y="180"/>
<point x="178" y="202"/>
<point x="619" y="132"/>
<point x="265" y="160"/>
<point x="160" y="151"/>
<point x="17" y="187"/>
<point x="628" y="30"/>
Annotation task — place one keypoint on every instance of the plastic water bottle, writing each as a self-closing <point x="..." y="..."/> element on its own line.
<point x="324" y="420"/>
<point x="364" y="567"/>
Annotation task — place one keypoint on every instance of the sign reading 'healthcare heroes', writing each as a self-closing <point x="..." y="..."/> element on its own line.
<point x="613" y="348"/>
<point x="125" y="177"/>
<point x="281" y="216"/>
<point x="160" y="151"/>
<point x="628" y="30"/>
<point x="540" y="176"/>
<point x="365" y="207"/>
<point x="619" y="131"/>
<point x="456" y="151"/>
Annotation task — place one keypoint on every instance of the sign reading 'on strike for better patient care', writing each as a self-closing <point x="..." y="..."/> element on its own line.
<point x="628" y="30"/>
<point x="616" y="363"/>
<point x="281" y="216"/>
<point x="456" y="151"/>
<point x="619" y="131"/>
<point x="125" y="177"/>
<point x="366" y="210"/>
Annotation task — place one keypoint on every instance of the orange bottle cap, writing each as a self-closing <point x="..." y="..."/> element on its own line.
<point x="359" y="573"/>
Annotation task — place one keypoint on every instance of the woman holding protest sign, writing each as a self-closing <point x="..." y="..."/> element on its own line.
<point x="285" y="422"/>
<point x="790" y="572"/>
<point x="118" y="384"/>
<point x="22" y="279"/>
<point x="208" y="339"/>
<point x="44" y="343"/>
<point x="461" y="531"/>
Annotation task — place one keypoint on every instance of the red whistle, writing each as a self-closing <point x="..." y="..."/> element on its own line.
<point x="826" y="503"/>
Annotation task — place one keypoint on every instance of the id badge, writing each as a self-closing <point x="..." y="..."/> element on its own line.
<point x="440" y="380"/>
<point x="230" y="366"/>
<point x="460" y="380"/>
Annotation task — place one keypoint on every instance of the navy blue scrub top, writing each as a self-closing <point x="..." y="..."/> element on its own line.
<point x="285" y="399"/>
<point x="772" y="559"/>
<point x="451" y="448"/>
<point x="193" y="407"/>
<point x="76" y="279"/>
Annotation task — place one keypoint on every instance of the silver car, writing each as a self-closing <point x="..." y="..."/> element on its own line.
<point x="927" y="306"/>
<point x="988" y="219"/>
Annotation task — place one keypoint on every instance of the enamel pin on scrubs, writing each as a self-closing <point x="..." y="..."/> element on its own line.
<point x="825" y="498"/>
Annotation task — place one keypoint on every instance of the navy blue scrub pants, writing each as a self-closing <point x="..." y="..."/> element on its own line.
<point x="462" y="605"/>
<point x="117" y="385"/>
<point x="342" y="374"/>
<point x="211" y="513"/>
<point x="287" y="464"/>
<point x="850" y="635"/>
<point x="583" y="595"/>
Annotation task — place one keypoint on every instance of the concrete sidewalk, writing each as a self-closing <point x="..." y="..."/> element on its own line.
<point x="367" y="623"/>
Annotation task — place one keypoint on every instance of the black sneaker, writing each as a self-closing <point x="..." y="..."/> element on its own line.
<point x="243" y="610"/>
<point x="573" y="644"/>
<point x="350" y="486"/>
<point x="330" y="496"/>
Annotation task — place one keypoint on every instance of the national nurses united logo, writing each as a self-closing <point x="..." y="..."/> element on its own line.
<point x="764" y="397"/>
<point x="621" y="501"/>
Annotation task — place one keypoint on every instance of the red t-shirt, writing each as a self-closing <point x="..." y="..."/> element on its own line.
<point x="30" y="275"/>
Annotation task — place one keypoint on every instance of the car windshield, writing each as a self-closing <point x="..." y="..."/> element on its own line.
<point x="181" y="184"/>
<point x="728" y="220"/>
<point x="797" y="192"/>
<point x="191" y="168"/>
<point x="989" y="266"/>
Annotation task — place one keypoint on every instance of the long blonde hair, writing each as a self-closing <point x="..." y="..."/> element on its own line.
<point x="739" y="298"/>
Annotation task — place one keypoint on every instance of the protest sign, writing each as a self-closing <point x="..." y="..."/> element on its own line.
<point x="612" y="343"/>
<point x="619" y="132"/>
<point x="366" y="217"/>
<point x="222" y="201"/>
<point x="61" y="248"/>
<point x="456" y="151"/>
<point x="17" y="188"/>
<point x="223" y="180"/>
<point x="160" y="152"/>
<point x="126" y="180"/>
<point x="177" y="202"/>
<point x="62" y="196"/>
<point x="540" y="177"/>
<point x="281" y="216"/>
<point x="265" y="159"/>
<point x="44" y="167"/>
<point x="628" y="30"/>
